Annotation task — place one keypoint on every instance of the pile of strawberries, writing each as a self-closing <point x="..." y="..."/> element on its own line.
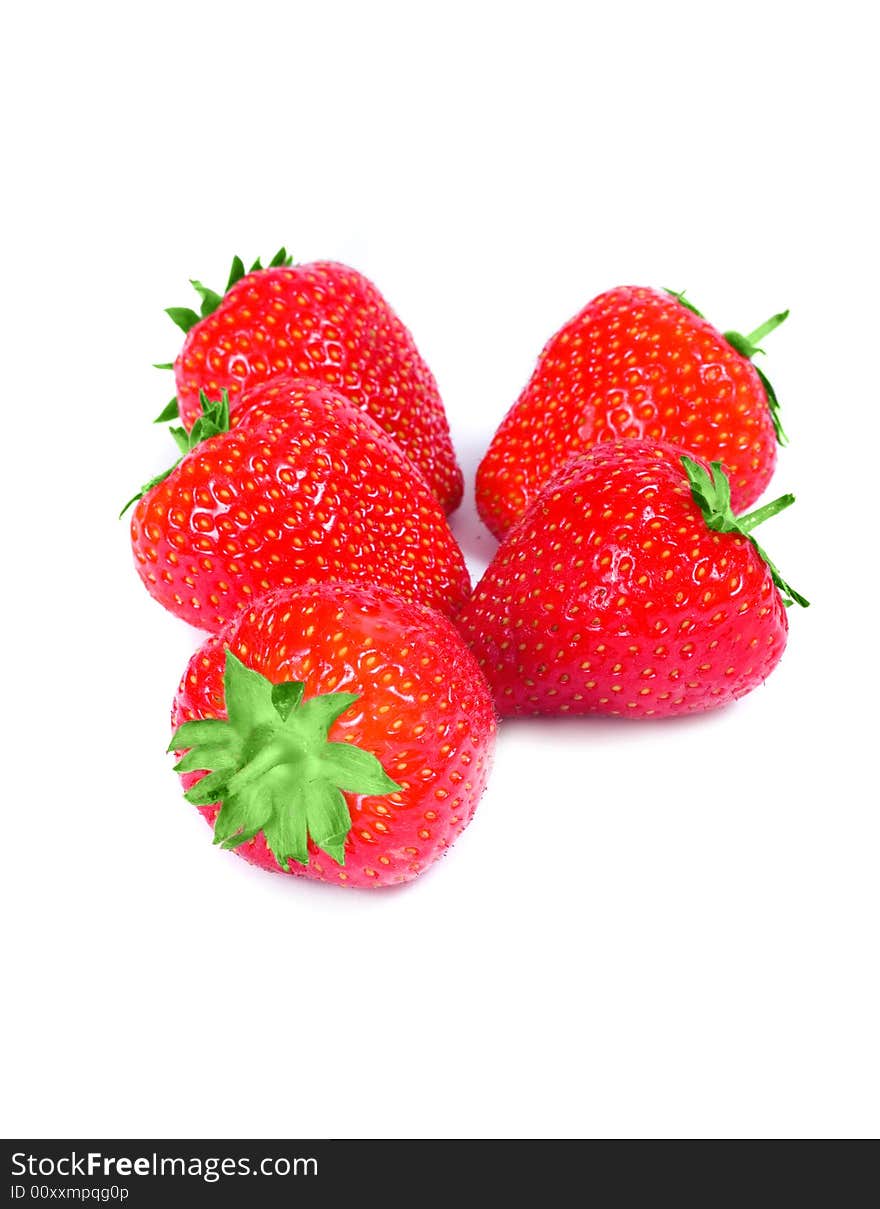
<point x="338" y="721"/>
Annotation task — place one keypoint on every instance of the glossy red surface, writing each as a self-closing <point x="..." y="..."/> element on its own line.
<point x="425" y="711"/>
<point x="633" y="363"/>
<point x="305" y="488"/>
<point x="611" y="596"/>
<point x="327" y="322"/>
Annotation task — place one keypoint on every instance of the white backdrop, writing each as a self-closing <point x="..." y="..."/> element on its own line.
<point x="648" y="929"/>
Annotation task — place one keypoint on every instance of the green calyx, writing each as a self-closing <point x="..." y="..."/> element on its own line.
<point x="186" y="318"/>
<point x="171" y="411"/>
<point x="748" y="346"/>
<point x="213" y="420"/>
<point x="679" y="295"/>
<point x="712" y="494"/>
<point x="272" y="768"/>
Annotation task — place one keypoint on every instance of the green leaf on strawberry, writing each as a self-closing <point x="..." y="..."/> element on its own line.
<point x="273" y="769"/>
<point x="183" y="316"/>
<point x="186" y="318"/>
<point x="679" y="295"/>
<point x="213" y="420"/>
<point x="747" y="346"/>
<point x="712" y="494"/>
<point x="210" y="298"/>
<point x="171" y="411"/>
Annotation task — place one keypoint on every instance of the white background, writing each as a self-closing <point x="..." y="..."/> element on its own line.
<point x="649" y="929"/>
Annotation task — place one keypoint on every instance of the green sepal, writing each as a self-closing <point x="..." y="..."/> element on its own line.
<point x="748" y="346"/>
<point x="163" y="365"/>
<point x="711" y="492"/>
<point x="239" y="819"/>
<point x="203" y="732"/>
<point x="319" y="713"/>
<point x="281" y="259"/>
<point x="210" y="789"/>
<point x="357" y="771"/>
<point x="224" y="759"/>
<point x="773" y="403"/>
<point x="213" y="421"/>
<point x="210" y="298"/>
<point x="287" y="829"/>
<point x="286" y="697"/>
<point x="235" y="841"/>
<point x="327" y="817"/>
<point x="248" y="696"/>
<point x="181" y="438"/>
<point x="235" y="273"/>
<point x="273" y="769"/>
<point x="679" y="296"/>
<point x="148" y="486"/>
<point x="183" y="316"/>
<point x="186" y="318"/>
<point x="171" y="411"/>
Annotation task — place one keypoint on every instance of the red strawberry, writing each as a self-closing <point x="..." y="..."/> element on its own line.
<point x="305" y="488"/>
<point x="635" y="363"/>
<point x="629" y="588"/>
<point x="322" y="321"/>
<point x="411" y="733"/>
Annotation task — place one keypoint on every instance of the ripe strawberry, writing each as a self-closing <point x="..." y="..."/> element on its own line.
<point x="629" y="588"/>
<point x="305" y="488"/>
<point x="635" y="363"/>
<point x="401" y="697"/>
<point x="322" y="321"/>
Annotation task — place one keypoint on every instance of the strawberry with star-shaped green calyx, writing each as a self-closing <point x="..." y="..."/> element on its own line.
<point x="337" y="732"/>
<point x="273" y="768"/>
<point x="630" y="588"/>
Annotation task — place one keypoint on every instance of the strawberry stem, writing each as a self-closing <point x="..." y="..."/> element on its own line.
<point x="273" y="769"/>
<point x="751" y="520"/>
<point x="712" y="495"/>
<point x="755" y="337"/>
<point x="747" y="346"/>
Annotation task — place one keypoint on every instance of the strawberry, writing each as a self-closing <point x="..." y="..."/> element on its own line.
<point x="635" y="363"/>
<point x="346" y="734"/>
<point x="304" y="488"/>
<point x="629" y="588"/>
<point x="322" y="321"/>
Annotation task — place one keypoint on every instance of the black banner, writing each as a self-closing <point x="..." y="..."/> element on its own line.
<point x="318" y="1172"/>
